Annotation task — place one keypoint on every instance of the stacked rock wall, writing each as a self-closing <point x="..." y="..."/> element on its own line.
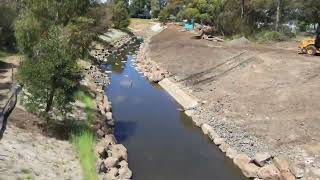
<point x="112" y="157"/>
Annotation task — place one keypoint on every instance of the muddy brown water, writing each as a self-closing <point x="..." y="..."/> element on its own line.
<point x="162" y="142"/>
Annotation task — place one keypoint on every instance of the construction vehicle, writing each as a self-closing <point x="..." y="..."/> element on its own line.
<point x="311" y="46"/>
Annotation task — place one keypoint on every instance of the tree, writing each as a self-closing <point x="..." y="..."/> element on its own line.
<point x="27" y="32"/>
<point x="278" y="18"/>
<point x="39" y="16"/>
<point x="120" y="15"/>
<point x="140" y="8"/>
<point x="308" y="11"/>
<point x="50" y="76"/>
<point x="8" y="13"/>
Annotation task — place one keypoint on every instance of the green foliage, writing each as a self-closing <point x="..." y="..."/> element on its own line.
<point x="8" y="15"/>
<point x="39" y="16"/>
<point x="267" y="36"/>
<point x="89" y="105"/>
<point x="164" y="15"/>
<point x="309" y="11"/>
<point x="78" y="36"/>
<point x="51" y="76"/>
<point x="189" y="13"/>
<point x="120" y="15"/>
<point x="28" y="32"/>
<point x="57" y="11"/>
<point x="155" y="8"/>
<point x="84" y="143"/>
<point x="141" y="8"/>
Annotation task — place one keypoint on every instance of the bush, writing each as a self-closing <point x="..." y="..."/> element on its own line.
<point x="155" y="13"/>
<point x="266" y="36"/>
<point x="164" y="15"/>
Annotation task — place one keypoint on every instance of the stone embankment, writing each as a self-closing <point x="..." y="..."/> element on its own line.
<point x="252" y="156"/>
<point x="150" y="69"/>
<point x="112" y="157"/>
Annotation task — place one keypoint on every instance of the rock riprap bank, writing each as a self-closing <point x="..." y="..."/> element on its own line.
<point x="112" y="157"/>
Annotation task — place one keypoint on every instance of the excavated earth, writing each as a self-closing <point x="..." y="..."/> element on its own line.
<point x="261" y="97"/>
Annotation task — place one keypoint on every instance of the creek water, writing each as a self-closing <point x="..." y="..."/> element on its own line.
<point x="162" y="142"/>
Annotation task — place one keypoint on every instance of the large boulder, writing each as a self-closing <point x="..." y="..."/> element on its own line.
<point x="262" y="158"/>
<point x="241" y="159"/>
<point x="223" y="147"/>
<point x="250" y="170"/>
<point x="269" y="172"/>
<point x="125" y="173"/>
<point x="231" y="153"/>
<point x="212" y="134"/>
<point x="109" y="116"/>
<point x="218" y="141"/>
<point x="155" y="76"/>
<point x="284" y="168"/>
<point x="206" y="128"/>
<point x="111" y="162"/>
<point x="118" y="151"/>
<point x="123" y="164"/>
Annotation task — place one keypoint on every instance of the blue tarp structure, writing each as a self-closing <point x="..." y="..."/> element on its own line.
<point x="189" y="25"/>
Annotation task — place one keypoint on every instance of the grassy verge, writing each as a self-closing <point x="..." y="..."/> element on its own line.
<point x="84" y="139"/>
<point x="84" y="143"/>
<point x="89" y="105"/>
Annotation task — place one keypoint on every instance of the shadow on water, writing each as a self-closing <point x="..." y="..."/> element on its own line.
<point x="162" y="142"/>
<point x="124" y="130"/>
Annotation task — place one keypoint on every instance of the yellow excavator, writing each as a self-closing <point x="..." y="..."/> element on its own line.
<point x="311" y="46"/>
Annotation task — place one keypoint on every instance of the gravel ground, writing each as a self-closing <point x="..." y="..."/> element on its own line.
<point x="26" y="155"/>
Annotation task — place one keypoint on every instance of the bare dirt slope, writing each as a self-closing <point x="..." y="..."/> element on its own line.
<point x="269" y="91"/>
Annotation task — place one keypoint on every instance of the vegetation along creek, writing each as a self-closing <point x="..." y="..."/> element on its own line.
<point x="162" y="141"/>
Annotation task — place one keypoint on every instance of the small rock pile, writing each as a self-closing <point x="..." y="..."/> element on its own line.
<point x="112" y="163"/>
<point x="151" y="69"/>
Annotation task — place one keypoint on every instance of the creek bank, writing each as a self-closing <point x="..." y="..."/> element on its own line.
<point x="112" y="157"/>
<point x="247" y="152"/>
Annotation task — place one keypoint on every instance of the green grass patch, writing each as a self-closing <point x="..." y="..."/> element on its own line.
<point x="84" y="143"/>
<point x="84" y="139"/>
<point x="89" y="105"/>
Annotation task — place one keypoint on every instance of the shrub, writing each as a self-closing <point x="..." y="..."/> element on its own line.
<point x="164" y="15"/>
<point x="266" y="36"/>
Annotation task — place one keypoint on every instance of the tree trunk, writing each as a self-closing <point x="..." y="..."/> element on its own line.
<point x="242" y="8"/>
<point x="278" y="18"/>
<point x="50" y="100"/>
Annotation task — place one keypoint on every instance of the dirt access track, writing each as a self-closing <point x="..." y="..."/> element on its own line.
<point x="267" y="90"/>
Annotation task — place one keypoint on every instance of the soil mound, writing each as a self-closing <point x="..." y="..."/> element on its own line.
<point x="239" y="42"/>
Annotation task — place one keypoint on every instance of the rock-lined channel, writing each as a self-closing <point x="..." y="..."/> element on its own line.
<point x="162" y="141"/>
